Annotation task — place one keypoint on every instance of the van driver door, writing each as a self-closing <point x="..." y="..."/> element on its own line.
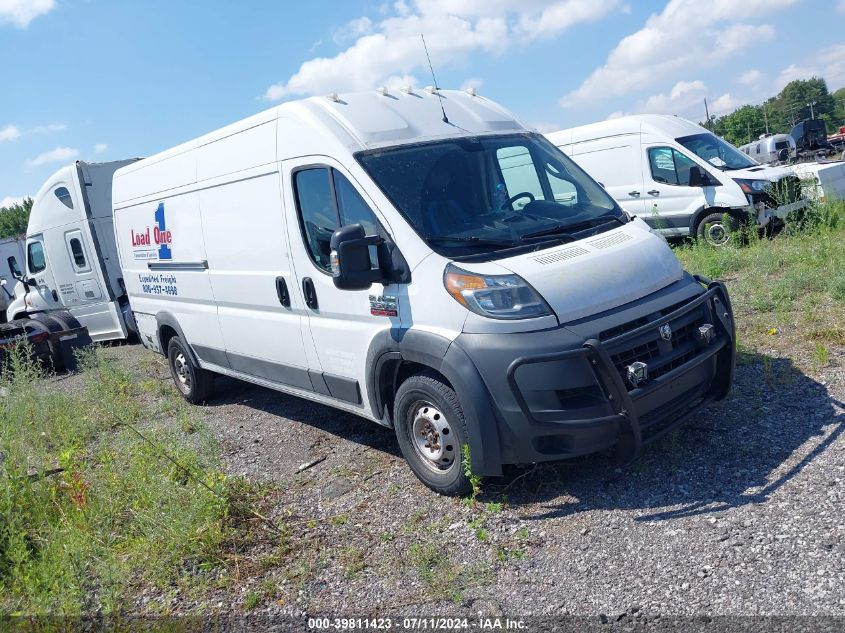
<point x="320" y="196"/>
<point x="43" y="294"/>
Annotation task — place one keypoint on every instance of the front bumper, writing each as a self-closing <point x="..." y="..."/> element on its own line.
<point x="575" y="400"/>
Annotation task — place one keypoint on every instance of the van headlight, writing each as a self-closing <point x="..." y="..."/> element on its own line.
<point x="752" y="186"/>
<point x="495" y="296"/>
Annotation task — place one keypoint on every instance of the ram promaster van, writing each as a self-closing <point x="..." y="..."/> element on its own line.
<point x="445" y="273"/>
<point x="679" y="177"/>
<point x="71" y="257"/>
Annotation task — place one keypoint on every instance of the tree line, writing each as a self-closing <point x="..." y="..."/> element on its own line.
<point x="779" y="114"/>
<point x="14" y="218"/>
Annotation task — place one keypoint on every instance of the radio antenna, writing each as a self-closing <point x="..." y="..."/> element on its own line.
<point x="436" y="88"/>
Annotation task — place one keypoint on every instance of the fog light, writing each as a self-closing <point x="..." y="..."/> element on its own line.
<point x="637" y="373"/>
<point x="706" y="333"/>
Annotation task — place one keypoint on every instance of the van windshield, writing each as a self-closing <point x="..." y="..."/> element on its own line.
<point x="716" y="151"/>
<point x="476" y="195"/>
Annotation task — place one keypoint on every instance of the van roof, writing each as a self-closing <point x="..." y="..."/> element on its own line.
<point x="378" y="118"/>
<point x="655" y="124"/>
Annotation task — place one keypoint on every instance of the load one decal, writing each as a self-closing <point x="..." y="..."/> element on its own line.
<point x="153" y="244"/>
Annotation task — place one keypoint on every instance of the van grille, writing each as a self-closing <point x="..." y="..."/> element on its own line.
<point x="660" y="355"/>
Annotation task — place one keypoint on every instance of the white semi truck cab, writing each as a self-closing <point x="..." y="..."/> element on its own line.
<point x="70" y="253"/>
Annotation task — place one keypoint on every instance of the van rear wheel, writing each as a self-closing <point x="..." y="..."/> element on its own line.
<point x="431" y="431"/>
<point x="194" y="383"/>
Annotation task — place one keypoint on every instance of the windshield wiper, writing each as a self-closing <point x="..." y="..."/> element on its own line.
<point x="568" y="230"/>
<point x="476" y="241"/>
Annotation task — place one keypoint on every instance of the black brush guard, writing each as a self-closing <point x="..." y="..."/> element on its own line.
<point x="631" y="437"/>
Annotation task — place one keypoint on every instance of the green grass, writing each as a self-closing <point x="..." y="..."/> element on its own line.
<point x="789" y="289"/>
<point x="120" y="515"/>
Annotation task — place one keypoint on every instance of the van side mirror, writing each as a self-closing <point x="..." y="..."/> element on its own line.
<point x="698" y="177"/>
<point x="350" y="257"/>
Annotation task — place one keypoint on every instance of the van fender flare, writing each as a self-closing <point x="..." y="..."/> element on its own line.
<point x="391" y="347"/>
<point x="166" y="319"/>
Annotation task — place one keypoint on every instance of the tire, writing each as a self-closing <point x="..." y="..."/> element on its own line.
<point x="194" y="383"/>
<point x="713" y="229"/>
<point x="424" y="403"/>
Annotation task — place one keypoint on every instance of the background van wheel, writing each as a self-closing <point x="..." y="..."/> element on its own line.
<point x="716" y="228"/>
<point x="194" y="383"/>
<point x="431" y="431"/>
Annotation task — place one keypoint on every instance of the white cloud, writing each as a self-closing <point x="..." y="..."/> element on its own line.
<point x="353" y="30"/>
<point x="686" y="34"/>
<point x="686" y="98"/>
<point x="453" y="30"/>
<point x="828" y="63"/>
<point x="683" y="95"/>
<point x="21" y="12"/>
<point x="99" y="148"/>
<point x="841" y="6"/>
<point x="9" y="133"/>
<point x="750" y="77"/>
<point x="9" y="201"/>
<point x="50" y="127"/>
<point x="57" y="155"/>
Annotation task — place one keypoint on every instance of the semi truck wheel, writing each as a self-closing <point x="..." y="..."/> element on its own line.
<point x="431" y="431"/>
<point x="194" y="383"/>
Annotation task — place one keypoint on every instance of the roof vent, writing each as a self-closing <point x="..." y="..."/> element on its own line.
<point x="471" y="92"/>
<point x="382" y="91"/>
<point x="431" y="90"/>
<point x="408" y="90"/>
<point x="333" y="97"/>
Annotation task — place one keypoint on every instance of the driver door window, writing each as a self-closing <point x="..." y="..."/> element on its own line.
<point x="36" y="262"/>
<point x="519" y="174"/>
<point x="669" y="166"/>
<point x="326" y="200"/>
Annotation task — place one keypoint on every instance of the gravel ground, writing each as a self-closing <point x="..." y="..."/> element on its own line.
<point x="738" y="512"/>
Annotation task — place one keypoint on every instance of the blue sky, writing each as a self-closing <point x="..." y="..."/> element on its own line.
<point x="106" y="79"/>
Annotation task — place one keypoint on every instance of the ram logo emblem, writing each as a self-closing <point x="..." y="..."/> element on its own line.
<point x="665" y="332"/>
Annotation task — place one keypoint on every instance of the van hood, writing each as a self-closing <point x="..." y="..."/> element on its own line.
<point x="760" y="172"/>
<point x="604" y="271"/>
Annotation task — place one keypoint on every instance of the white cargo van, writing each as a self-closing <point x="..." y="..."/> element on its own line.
<point x="679" y="177"/>
<point x="445" y="273"/>
<point x="71" y="257"/>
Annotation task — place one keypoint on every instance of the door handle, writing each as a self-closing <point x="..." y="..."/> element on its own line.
<point x="634" y="194"/>
<point x="310" y="293"/>
<point x="282" y="291"/>
<point x="654" y="192"/>
<point x="55" y="295"/>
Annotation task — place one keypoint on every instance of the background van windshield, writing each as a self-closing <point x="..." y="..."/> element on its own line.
<point x="489" y="193"/>
<point x="716" y="151"/>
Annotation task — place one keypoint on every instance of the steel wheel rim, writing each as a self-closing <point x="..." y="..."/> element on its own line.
<point x="182" y="372"/>
<point x="716" y="233"/>
<point x="432" y="437"/>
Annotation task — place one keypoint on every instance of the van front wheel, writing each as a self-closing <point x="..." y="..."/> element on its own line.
<point x="716" y="228"/>
<point x="194" y="383"/>
<point x="431" y="431"/>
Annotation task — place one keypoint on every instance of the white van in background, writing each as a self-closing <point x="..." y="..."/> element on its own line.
<point x="771" y="148"/>
<point x="678" y="176"/>
<point x="11" y="261"/>
<point x="71" y="258"/>
<point x="443" y="272"/>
